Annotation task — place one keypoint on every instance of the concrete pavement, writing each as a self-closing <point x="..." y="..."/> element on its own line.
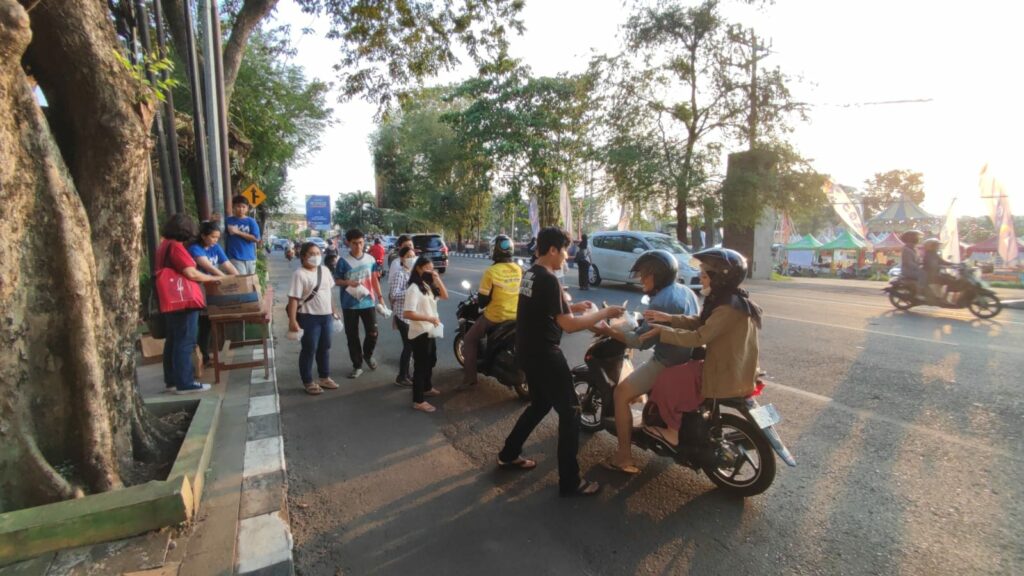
<point x="906" y="427"/>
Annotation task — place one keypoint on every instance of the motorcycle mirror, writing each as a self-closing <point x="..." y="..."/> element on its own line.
<point x="466" y="285"/>
<point x="645" y="300"/>
<point x="520" y="262"/>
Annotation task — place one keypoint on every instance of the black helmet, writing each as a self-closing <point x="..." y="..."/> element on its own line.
<point x="502" y="250"/>
<point x="658" y="263"/>
<point x="726" y="267"/>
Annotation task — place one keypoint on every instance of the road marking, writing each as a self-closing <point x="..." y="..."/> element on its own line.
<point x="868" y="414"/>
<point x="995" y="347"/>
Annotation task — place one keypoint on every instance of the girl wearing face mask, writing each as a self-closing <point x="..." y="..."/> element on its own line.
<point x="397" y="283"/>
<point x="309" y="310"/>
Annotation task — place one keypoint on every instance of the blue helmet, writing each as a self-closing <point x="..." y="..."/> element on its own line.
<point x="502" y="249"/>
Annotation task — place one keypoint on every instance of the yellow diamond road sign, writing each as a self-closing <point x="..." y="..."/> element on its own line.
<point x="254" y="195"/>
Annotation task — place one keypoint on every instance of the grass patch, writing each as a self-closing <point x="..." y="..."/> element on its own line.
<point x="780" y="278"/>
<point x="999" y="284"/>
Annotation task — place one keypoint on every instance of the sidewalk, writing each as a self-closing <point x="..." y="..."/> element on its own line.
<point x="242" y="524"/>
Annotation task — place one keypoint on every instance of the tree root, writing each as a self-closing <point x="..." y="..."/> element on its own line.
<point x="48" y="484"/>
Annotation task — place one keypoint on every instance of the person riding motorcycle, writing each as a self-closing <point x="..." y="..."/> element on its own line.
<point x="932" y="271"/>
<point x="657" y="271"/>
<point x="910" y="262"/>
<point x="498" y="296"/>
<point x="728" y="327"/>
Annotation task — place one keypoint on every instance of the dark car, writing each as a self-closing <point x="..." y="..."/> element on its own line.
<point x="433" y="247"/>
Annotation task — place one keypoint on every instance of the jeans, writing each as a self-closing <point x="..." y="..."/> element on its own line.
<point x="179" y="344"/>
<point x="316" y="341"/>
<point x="369" y="319"/>
<point x="244" y="267"/>
<point x="406" y="357"/>
<point x="550" y="387"/>
<point x="424" y="356"/>
<point x="471" y="348"/>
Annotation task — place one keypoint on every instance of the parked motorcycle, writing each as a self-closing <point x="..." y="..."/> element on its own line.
<point x="968" y="290"/>
<point x="730" y="440"/>
<point x="497" y="354"/>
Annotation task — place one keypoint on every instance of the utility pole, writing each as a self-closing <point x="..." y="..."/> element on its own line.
<point x="170" y="127"/>
<point x="222" y="108"/>
<point x="201" y="179"/>
<point x="211" y="45"/>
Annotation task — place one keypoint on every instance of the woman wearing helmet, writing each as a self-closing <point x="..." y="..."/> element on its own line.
<point x="910" y="261"/>
<point x="727" y="326"/>
<point x="498" y="296"/>
<point x="934" y="277"/>
<point x="657" y="271"/>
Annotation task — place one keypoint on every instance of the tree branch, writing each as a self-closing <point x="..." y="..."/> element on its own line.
<point x="249" y="17"/>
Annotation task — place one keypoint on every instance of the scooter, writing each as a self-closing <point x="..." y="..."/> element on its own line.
<point x="731" y="440"/>
<point x="497" y="354"/>
<point x="968" y="290"/>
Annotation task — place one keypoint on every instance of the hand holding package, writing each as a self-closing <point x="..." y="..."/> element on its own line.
<point x="358" y="292"/>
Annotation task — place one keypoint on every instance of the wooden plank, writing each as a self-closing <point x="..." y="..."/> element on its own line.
<point x="194" y="454"/>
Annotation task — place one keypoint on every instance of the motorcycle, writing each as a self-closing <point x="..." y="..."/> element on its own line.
<point x="971" y="292"/>
<point x="731" y="440"/>
<point x="497" y="354"/>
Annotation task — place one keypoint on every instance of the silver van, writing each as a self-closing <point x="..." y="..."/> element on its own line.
<point x="613" y="253"/>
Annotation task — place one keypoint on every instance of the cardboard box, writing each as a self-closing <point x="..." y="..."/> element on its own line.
<point x="152" y="349"/>
<point x="234" y="295"/>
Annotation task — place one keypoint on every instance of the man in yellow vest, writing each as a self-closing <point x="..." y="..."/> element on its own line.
<point x="498" y="296"/>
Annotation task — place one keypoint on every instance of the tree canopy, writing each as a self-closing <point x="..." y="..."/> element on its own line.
<point x="884" y="188"/>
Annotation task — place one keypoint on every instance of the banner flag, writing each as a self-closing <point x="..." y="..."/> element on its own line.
<point x="950" y="235"/>
<point x="534" y="217"/>
<point x="565" y="208"/>
<point x="993" y="191"/>
<point x="844" y="207"/>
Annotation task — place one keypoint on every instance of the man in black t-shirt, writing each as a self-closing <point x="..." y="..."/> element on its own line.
<point x="543" y="314"/>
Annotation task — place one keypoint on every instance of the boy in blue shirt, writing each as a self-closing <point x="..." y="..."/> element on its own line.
<point x="243" y="233"/>
<point x="358" y="275"/>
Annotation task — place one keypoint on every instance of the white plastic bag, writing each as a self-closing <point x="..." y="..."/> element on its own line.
<point x="383" y="310"/>
<point x="358" y="292"/>
<point x="294" y="335"/>
<point x="338" y="326"/>
<point x="625" y="323"/>
<point x="437" y="331"/>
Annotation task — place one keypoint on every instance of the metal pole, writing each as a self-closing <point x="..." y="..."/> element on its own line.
<point x="201" y="179"/>
<point x="170" y="127"/>
<point x="152" y="224"/>
<point x="211" y="46"/>
<point x="222" y="110"/>
<point x="142" y="24"/>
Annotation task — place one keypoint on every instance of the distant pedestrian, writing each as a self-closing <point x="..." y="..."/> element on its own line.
<point x="398" y="282"/>
<point x="182" y="326"/>
<point x="210" y="259"/>
<point x="356" y="273"/>
<point x="420" y="309"/>
<point x="309" y="309"/>
<point x="378" y="253"/>
<point x="403" y="241"/>
<point x="243" y="233"/>
<point x="583" y="262"/>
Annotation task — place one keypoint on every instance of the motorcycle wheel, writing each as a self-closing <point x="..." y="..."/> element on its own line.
<point x="591" y="411"/>
<point x="754" y="470"/>
<point x="985" y="306"/>
<point x="901" y="298"/>
<point x="457" y="348"/>
<point x="595" y="276"/>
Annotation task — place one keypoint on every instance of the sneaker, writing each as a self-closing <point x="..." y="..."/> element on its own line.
<point x="194" y="389"/>
<point x="327" y="383"/>
<point x="403" y="382"/>
<point x="371" y="363"/>
<point x="356" y="373"/>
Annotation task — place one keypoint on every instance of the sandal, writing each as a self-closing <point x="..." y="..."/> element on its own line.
<point x="585" y="488"/>
<point x="627" y="469"/>
<point x="424" y="407"/>
<point x="313" y="389"/>
<point x="432" y="392"/>
<point x="657" y="435"/>
<point x="518" y="464"/>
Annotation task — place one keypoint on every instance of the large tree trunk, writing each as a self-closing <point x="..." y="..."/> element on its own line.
<point x="71" y="420"/>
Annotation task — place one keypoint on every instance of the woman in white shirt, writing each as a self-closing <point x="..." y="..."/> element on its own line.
<point x="309" y="309"/>
<point x="425" y="288"/>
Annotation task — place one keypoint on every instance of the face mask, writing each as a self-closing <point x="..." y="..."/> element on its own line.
<point x="314" y="260"/>
<point x="409" y="262"/>
<point x="705" y="292"/>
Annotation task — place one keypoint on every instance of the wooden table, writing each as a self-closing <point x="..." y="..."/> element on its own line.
<point x="217" y="324"/>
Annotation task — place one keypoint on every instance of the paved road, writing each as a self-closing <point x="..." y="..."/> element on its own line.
<point x="907" y="428"/>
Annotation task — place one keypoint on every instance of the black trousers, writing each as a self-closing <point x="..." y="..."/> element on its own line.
<point x="584" y="268"/>
<point x="352" y="318"/>
<point x="550" y="387"/>
<point x="204" y="337"/>
<point x="406" y="356"/>
<point x="424" y="356"/>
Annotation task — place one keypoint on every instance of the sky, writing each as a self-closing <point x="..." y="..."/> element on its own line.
<point x="963" y="60"/>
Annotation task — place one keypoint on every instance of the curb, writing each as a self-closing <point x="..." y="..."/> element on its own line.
<point x="264" y="540"/>
<point x="470" y="255"/>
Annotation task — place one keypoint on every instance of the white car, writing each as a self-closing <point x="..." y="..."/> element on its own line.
<point x="614" y="252"/>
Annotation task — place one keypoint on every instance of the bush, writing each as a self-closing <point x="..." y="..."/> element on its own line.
<point x="261" y="270"/>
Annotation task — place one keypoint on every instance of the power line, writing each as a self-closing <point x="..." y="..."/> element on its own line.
<point x="877" y="103"/>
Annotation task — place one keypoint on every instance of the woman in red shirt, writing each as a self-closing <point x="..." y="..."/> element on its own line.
<point x="182" y="326"/>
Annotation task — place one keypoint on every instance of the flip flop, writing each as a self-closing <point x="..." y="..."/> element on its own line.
<point x="627" y="469"/>
<point x="586" y="488"/>
<point x="518" y="464"/>
<point x="313" y="389"/>
<point x="657" y="435"/>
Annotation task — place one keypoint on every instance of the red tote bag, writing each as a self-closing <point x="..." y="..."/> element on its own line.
<point x="175" y="292"/>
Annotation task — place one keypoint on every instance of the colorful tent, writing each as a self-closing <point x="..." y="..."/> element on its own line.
<point x="888" y="243"/>
<point x="845" y="241"/>
<point x="903" y="215"/>
<point x="806" y="243"/>
<point x="990" y="246"/>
